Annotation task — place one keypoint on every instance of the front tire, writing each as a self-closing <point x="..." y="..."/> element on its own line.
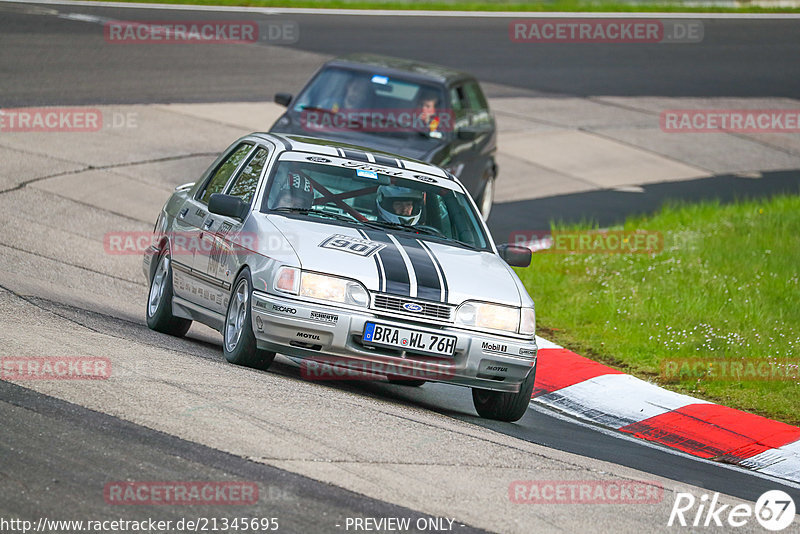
<point x="159" y="300"/>
<point x="504" y="406"/>
<point x="238" y="340"/>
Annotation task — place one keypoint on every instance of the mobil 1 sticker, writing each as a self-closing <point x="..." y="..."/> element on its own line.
<point x="352" y="245"/>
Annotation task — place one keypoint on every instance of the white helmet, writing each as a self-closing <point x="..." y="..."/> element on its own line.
<point x="389" y="194"/>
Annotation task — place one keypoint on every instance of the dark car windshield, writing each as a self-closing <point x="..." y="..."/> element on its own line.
<point x="373" y="199"/>
<point x="341" y="100"/>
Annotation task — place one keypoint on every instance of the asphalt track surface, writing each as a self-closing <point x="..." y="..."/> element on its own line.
<point x="46" y="60"/>
<point x="736" y="58"/>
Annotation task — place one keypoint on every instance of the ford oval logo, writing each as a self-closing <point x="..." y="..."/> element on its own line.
<point x="410" y="306"/>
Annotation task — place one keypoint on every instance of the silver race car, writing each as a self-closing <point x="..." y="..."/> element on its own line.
<point x="350" y="262"/>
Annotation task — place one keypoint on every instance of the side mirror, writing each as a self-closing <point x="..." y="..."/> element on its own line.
<point x="227" y="206"/>
<point x="468" y="133"/>
<point x="284" y="99"/>
<point x="514" y="256"/>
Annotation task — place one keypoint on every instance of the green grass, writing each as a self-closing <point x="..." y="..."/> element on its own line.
<point x="490" y="5"/>
<point x="726" y="286"/>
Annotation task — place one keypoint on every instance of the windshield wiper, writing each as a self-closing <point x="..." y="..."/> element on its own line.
<point x="310" y="211"/>
<point x="406" y="227"/>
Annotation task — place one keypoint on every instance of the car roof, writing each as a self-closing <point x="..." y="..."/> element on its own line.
<point x="327" y="147"/>
<point x="407" y="68"/>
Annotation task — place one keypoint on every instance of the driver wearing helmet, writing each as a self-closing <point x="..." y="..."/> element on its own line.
<point x="295" y="191"/>
<point x="400" y="205"/>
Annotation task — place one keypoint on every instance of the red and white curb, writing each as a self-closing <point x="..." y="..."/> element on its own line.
<point x="594" y="392"/>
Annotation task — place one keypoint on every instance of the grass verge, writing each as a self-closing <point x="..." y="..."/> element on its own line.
<point x="489" y="5"/>
<point x="723" y="293"/>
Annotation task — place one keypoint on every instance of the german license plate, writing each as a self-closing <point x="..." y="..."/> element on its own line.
<point x="407" y="339"/>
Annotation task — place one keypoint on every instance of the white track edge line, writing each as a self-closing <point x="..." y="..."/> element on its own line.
<point x="413" y="13"/>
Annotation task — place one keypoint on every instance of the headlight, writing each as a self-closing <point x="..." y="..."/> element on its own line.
<point x="323" y="287"/>
<point x="527" y="321"/>
<point x="491" y="316"/>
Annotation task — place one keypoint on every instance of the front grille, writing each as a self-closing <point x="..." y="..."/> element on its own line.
<point x="443" y="312"/>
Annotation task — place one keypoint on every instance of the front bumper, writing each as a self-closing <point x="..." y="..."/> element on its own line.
<point x="329" y="334"/>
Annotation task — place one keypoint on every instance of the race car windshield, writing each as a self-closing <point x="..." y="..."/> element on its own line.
<point x="366" y="198"/>
<point x="345" y="101"/>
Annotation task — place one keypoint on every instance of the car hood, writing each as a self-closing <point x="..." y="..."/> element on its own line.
<point x="412" y="146"/>
<point x="400" y="263"/>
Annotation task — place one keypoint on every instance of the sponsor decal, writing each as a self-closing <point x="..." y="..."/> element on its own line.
<point x="306" y="335"/>
<point x="361" y="173"/>
<point x="317" y="159"/>
<point x="497" y="368"/>
<point x="322" y="317"/>
<point x="412" y="307"/>
<point x="427" y="179"/>
<point x="284" y="309"/>
<point x="353" y="245"/>
<point x="527" y="352"/>
<point x="493" y="347"/>
<point x="370" y="167"/>
<point x="259" y="324"/>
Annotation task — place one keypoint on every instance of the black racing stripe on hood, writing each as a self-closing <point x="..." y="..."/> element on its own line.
<point x="356" y="155"/>
<point x="428" y="286"/>
<point x="387" y="161"/>
<point x="397" y="280"/>
<point x="439" y="268"/>
<point x="378" y="265"/>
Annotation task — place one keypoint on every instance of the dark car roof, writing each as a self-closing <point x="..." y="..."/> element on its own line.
<point x="407" y="68"/>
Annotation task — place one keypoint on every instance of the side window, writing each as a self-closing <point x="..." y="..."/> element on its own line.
<point x="457" y="98"/>
<point x="220" y="177"/>
<point x="476" y="103"/>
<point x="245" y="185"/>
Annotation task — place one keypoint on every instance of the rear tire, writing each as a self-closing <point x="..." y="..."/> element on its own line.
<point x="503" y="406"/>
<point x="159" y="300"/>
<point x="238" y="340"/>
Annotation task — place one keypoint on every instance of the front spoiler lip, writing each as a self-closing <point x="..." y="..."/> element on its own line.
<point x="279" y="321"/>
